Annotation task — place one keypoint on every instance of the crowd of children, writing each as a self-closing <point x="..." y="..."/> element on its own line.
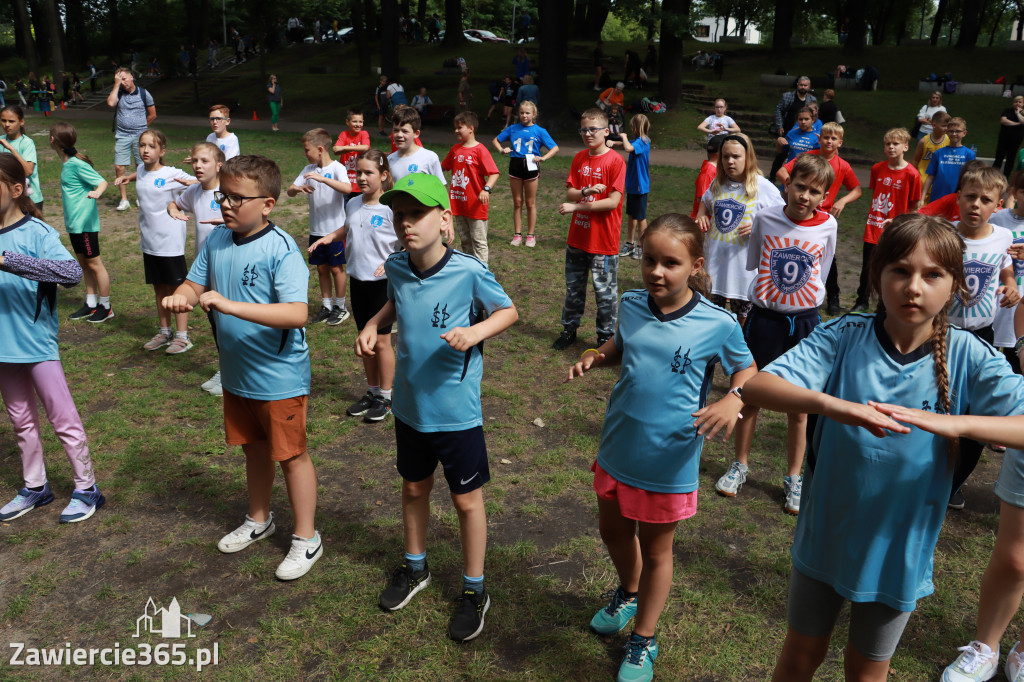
<point x="739" y="282"/>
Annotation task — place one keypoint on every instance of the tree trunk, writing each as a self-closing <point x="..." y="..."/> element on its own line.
<point x="995" y="24"/>
<point x="652" y="19"/>
<point x="555" y="17"/>
<point x="453" y="23"/>
<point x="940" y="13"/>
<point x="40" y="27"/>
<point x="969" y="25"/>
<point x="421" y="16"/>
<point x="24" y="27"/>
<point x="116" y="48"/>
<point x="56" y="32"/>
<point x="597" y="14"/>
<point x="674" y="17"/>
<point x="858" y="28"/>
<point x="389" y="39"/>
<point x="362" y="37"/>
<point x="782" y="30"/>
<point x="78" y="34"/>
<point x="370" y="17"/>
<point x="579" y="19"/>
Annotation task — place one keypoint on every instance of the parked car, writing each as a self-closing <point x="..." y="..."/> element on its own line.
<point x="484" y="36"/>
<point x="466" y="34"/>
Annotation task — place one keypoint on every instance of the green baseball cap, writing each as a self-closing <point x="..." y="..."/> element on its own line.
<point x="423" y="187"/>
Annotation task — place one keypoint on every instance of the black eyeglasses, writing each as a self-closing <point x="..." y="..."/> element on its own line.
<point x="233" y="200"/>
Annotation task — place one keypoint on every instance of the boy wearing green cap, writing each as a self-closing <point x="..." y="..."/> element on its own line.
<point x="447" y="304"/>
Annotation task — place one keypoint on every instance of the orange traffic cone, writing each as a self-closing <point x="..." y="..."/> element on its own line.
<point x="62" y="105"/>
<point x="254" y="116"/>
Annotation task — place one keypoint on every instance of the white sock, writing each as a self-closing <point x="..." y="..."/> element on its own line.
<point x="339" y="302"/>
<point x="326" y="302"/>
<point x="386" y="394"/>
<point x="165" y="330"/>
<point x="374" y="390"/>
<point x="181" y="335"/>
<point x="105" y="301"/>
<point x="90" y="300"/>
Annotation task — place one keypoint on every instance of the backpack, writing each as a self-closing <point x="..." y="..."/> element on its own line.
<point x="652" y="106"/>
<point x="142" y="95"/>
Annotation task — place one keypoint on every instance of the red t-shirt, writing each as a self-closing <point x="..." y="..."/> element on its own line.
<point x="598" y="232"/>
<point x="844" y="176"/>
<point x="893" y="193"/>
<point x="704" y="180"/>
<point x="947" y="207"/>
<point x="394" y="147"/>
<point x="348" y="159"/>
<point x="470" y="166"/>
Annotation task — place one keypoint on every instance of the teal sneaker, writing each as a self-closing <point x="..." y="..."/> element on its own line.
<point x="616" y="615"/>
<point x="638" y="665"/>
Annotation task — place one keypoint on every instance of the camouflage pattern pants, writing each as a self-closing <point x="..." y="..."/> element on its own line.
<point x="605" y="270"/>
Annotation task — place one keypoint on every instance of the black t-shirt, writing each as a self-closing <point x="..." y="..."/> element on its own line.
<point x="1011" y="114"/>
<point x="598" y="56"/>
<point x="789" y="120"/>
<point x="827" y="112"/>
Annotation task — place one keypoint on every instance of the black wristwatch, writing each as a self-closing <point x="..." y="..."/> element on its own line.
<point x="487" y="188"/>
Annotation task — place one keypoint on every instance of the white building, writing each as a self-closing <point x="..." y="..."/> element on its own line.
<point x="719" y="29"/>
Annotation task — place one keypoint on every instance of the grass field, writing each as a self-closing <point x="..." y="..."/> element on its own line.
<point x="174" y="488"/>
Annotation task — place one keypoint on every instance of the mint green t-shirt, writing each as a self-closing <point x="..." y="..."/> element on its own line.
<point x="77" y="179"/>
<point x="27" y="148"/>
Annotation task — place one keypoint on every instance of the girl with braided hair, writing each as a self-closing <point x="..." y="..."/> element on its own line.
<point x="875" y="490"/>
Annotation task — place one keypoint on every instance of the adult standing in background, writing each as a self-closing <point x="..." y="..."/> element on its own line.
<point x="528" y="91"/>
<point x="924" y="116"/>
<point x="597" y="60"/>
<point x="380" y="99"/>
<point x="275" y="100"/>
<point x="134" y="109"/>
<point x="1011" y="134"/>
<point x="828" y="112"/>
<point x="522" y="63"/>
<point x="785" y="117"/>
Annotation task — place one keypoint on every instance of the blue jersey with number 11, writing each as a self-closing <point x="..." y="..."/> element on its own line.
<point x="526" y="140"/>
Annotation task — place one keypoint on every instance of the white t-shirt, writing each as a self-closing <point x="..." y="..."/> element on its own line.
<point x="791" y="260"/>
<point x="326" y="205"/>
<point x="161" y="235"/>
<point x="201" y="204"/>
<point x="228" y="144"/>
<point x="421" y="161"/>
<point x="983" y="260"/>
<point x="1005" y="336"/>
<point x="928" y="112"/>
<point x="725" y="251"/>
<point x="719" y="125"/>
<point x="370" y="238"/>
<point x="395" y="88"/>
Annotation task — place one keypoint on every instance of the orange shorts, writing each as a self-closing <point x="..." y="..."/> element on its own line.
<point x="643" y="505"/>
<point x="279" y="423"/>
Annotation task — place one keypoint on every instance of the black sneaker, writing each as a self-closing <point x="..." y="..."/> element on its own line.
<point x="324" y="313"/>
<point x="338" y="315"/>
<point x="405" y="583"/>
<point x="601" y="340"/>
<point x="102" y="314"/>
<point x="956" y="500"/>
<point x="468" y="621"/>
<point x="359" y="408"/>
<point x="832" y="307"/>
<point x="859" y="307"/>
<point x="82" y="313"/>
<point x="380" y="410"/>
<point x="565" y="339"/>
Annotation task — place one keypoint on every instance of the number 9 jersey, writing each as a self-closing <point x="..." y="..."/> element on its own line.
<point x="790" y="258"/>
<point x="984" y="259"/>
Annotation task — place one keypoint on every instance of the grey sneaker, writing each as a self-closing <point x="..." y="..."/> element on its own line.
<point x="178" y="345"/>
<point x="626" y="249"/>
<point x="637" y="251"/>
<point x="159" y="341"/>
<point x="338" y="315"/>
<point x="25" y="501"/>
<point x="792" y="486"/>
<point x="733" y="480"/>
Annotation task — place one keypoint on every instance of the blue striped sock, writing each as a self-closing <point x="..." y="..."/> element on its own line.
<point x="473" y="584"/>
<point x="416" y="562"/>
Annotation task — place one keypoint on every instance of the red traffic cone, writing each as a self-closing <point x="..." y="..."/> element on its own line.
<point x="62" y="105"/>
<point x="254" y="116"/>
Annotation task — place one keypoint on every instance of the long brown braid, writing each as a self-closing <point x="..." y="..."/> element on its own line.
<point x="946" y="248"/>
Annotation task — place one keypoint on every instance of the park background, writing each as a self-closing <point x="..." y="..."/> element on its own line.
<point x="174" y="488"/>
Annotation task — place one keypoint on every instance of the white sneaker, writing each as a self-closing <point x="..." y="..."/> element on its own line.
<point x="246" y="534"/>
<point x="301" y="557"/>
<point x="973" y="664"/>
<point x="1015" y="664"/>
<point x="124" y="205"/>
<point x="212" y="383"/>
<point x="792" y="487"/>
<point x="733" y="480"/>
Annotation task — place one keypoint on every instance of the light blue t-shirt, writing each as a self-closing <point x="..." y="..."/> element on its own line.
<point x="27" y="150"/>
<point x="257" y="362"/>
<point x="638" y="177"/>
<point x="28" y="309"/>
<point x="872" y="507"/>
<point x="945" y="166"/>
<point x="800" y="142"/>
<point x="671" y="357"/>
<point x="437" y="388"/>
<point x="526" y="140"/>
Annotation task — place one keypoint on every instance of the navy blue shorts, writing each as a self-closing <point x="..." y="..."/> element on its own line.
<point x="328" y="254"/>
<point x="770" y="334"/>
<point x="463" y="455"/>
<point x="636" y="206"/>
